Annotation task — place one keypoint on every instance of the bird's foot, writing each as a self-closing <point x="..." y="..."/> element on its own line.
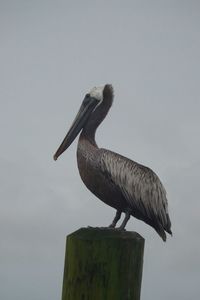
<point x="120" y="228"/>
<point x="102" y="228"/>
<point x="107" y="227"/>
<point x="111" y="226"/>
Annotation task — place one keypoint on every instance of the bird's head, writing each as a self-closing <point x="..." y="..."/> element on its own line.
<point x="90" y="102"/>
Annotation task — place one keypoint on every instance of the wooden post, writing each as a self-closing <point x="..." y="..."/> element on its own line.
<point x="103" y="264"/>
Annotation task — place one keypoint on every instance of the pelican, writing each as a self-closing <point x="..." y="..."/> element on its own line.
<point x="125" y="185"/>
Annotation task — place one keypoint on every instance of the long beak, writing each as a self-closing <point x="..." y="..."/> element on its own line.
<point x="80" y="120"/>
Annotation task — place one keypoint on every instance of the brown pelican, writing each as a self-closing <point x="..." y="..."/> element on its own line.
<point x="125" y="185"/>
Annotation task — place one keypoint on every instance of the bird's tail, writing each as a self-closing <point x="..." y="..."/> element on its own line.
<point x="161" y="233"/>
<point x="168" y="227"/>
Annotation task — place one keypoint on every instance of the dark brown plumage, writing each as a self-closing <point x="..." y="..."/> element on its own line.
<point x="121" y="183"/>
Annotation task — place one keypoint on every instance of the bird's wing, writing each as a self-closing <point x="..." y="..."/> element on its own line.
<point x="139" y="185"/>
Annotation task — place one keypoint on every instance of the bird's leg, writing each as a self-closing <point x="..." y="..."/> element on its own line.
<point x="116" y="219"/>
<point x="127" y="217"/>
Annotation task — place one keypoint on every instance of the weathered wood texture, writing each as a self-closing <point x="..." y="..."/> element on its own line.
<point x="103" y="264"/>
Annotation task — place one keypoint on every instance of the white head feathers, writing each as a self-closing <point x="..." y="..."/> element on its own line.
<point x="97" y="92"/>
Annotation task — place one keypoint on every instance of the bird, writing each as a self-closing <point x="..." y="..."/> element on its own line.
<point x="126" y="185"/>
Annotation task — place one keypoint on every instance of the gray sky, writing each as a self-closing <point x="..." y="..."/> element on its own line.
<point x="51" y="54"/>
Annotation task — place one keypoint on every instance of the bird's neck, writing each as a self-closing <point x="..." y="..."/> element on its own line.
<point x="96" y="118"/>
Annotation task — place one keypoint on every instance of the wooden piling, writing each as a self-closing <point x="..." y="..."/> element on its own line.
<point x="103" y="264"/>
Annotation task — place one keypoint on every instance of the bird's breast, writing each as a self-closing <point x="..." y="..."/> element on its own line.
<point x="88" y="159"/>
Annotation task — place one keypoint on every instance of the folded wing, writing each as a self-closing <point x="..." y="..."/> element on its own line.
<point x="144" y="193"/>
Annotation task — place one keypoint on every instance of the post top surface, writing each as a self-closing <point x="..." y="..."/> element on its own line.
<point x="97" y="233"/>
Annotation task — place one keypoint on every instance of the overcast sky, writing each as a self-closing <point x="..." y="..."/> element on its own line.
<point x="51" y="54"/>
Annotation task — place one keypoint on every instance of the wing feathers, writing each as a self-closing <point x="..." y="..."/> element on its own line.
<point x="140" y="186"/>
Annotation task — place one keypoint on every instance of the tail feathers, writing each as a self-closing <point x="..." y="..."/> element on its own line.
<point x="168" y="227"/>
<point x="161" y="233"/>
<point x="169" y="231"/>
